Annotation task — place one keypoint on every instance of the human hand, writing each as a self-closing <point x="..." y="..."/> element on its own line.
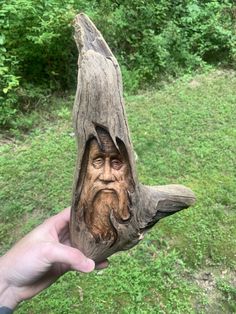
<point x="38" y="259"/>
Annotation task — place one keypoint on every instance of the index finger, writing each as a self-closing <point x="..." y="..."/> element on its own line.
<point x="61" y="220"/>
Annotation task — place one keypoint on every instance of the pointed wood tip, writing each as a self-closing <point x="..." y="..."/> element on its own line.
<point x="162" y="201"/>
<point x="88" y="37"/>
<point x="178" y="192"/>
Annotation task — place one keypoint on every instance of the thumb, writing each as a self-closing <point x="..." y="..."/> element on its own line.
<point x="76" y="260"/>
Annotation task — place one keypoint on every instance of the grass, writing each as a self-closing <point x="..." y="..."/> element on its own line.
<point x="184" y="133"/>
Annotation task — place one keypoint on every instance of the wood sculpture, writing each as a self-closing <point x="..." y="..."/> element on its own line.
<point x="111" y="210"/>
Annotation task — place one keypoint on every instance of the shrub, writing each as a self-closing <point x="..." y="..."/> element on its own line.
<point x="37" y="50"/>
<point x="169" y="37"/>
<point x="151" y="39"/>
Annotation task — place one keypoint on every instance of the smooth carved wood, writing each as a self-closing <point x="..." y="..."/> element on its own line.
<point x="111" y="210"/>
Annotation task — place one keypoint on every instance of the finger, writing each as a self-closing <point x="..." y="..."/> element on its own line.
<point x="64" y="236"/>
<point x="60" y="220"/>
<point x="59" y="253"/>
<point x="66" y="240"/>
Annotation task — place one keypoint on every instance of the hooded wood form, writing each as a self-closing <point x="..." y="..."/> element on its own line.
<point x="99" y="108"/>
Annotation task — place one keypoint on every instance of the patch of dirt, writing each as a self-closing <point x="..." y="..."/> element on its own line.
<point x="207" y="280"/>
<point x="200" y="80"/>
<point x="6" y="140"/>
<point x="194" y="83"/>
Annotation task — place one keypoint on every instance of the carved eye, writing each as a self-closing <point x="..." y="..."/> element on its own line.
<point x="116" y="164"/>
<point x="98" y="162"/>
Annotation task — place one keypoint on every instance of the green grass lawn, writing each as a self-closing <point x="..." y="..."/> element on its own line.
<point x="184" y="133"/>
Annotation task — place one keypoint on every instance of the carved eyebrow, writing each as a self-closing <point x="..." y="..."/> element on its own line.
<point x="98" y="155"/>
<point x="117" y="156"/>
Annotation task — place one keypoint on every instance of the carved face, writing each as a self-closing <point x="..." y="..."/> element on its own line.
<point x="106" y="167"/>
<point x="105" y="188"/>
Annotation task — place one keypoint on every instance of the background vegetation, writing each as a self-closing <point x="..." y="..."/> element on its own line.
<point x="151" y="39"/>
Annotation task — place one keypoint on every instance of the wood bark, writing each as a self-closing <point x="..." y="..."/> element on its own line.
<point x="111" y="210"/>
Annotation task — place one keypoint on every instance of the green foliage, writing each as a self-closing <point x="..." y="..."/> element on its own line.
<point x="38" y="54"/>
<point x="8" y="84"/>
<point x="161" y="38"/>
<point x="152" y="40"/>
<point x="183" y="134"/>
<point x="34" y="35"/>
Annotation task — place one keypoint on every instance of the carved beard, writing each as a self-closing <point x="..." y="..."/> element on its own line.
<point x="97" y="203"/>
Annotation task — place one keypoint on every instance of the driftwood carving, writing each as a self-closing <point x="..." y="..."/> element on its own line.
<point x="111" y="210"/>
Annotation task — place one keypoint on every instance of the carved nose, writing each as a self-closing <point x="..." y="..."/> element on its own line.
<point x="107" y="175"/>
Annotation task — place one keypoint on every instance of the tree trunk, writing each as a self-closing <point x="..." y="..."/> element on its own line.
<point x="111" y="210"/>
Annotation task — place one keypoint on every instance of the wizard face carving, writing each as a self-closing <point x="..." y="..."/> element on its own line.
<point x="106" y="187"/>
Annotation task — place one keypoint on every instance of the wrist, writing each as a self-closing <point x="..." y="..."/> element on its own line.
<point x="8" y="298"/>
<point x="5" y="310"/>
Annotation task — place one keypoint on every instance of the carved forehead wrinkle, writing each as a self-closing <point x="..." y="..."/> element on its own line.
<point x="107" y="145"/>
<point x="94" y="148"/>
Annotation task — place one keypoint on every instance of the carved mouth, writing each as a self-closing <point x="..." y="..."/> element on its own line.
<point x="107" y="190"/>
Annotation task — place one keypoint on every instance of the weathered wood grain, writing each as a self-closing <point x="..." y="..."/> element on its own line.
<point x="111" y="210"/>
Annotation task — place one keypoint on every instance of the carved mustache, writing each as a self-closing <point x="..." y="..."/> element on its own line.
<point x="123" y="212"/>
<point x="97" y="187"/>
